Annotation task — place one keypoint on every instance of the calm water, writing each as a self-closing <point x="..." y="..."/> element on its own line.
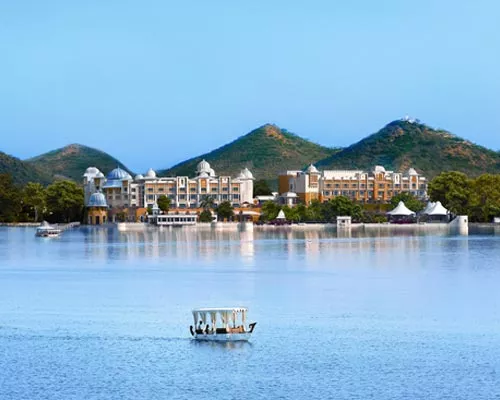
<point x="99" y="314"/>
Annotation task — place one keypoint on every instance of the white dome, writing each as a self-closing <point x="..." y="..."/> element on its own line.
<point x="379" y="168"/>
<point x="245" y="174"/>
<point x="412" y="171"/>
<point x="151" y="173"/>
<point x="138" y="177"/>
<point x="93" y="172"/>
<point x="211" y="172"/>
<point x="203" y="166"/>
<point x="312" y="169"/>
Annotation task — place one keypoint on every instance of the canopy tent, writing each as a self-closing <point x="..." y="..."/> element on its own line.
<point x="438" y="210"/>
<point x="430" y="205"/>
<point x="401" y="210"/>
<point x="281" y="215"/>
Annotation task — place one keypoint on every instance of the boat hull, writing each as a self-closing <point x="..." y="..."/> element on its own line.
<point x="223" y="337"/>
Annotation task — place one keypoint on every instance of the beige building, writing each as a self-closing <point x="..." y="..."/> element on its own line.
<point x="121" y="191"/>
<point x="377" y="185"/>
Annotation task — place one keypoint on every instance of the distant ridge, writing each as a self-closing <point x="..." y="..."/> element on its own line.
<point x="265" y="151"/>
<point x="21" y="171"/>
<point x="402" y="144"/>
<point x="71" y="161"/>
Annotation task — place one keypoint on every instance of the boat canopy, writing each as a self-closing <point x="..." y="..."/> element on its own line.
<point x="401" y="209"/>
<point x="45" y="226"/>
<point x="224" y="314"/>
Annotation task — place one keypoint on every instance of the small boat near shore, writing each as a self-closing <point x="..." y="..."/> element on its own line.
<point x="227" y="324"/>
<point x="47" y="231"/>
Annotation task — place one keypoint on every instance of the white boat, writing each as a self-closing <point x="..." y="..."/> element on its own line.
<point x="46" y="230"/>
<point x="225" y="324"/>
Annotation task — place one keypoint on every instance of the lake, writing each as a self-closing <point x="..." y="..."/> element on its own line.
<point x="102" y="314"/>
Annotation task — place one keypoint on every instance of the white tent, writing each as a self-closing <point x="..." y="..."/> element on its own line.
<point x="281" y="215"/>
<point x="429" y="207"/>
<point x="438" y="209"/>
<point x="402" y="210"/>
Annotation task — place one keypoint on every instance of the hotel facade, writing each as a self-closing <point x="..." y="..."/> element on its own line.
<point x="121" y="191"/>
<point x="377" y="185"/>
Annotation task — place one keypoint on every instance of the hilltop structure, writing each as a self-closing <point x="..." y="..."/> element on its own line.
<point x="123" y="193"/>
<point x="377" y="185"/>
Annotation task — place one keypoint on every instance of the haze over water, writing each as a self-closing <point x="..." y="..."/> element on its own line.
<point x="99" y="314"/>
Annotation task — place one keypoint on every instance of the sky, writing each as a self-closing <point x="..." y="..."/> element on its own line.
<point x="154" y="82"/>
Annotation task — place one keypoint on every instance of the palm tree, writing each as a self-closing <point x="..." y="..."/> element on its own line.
<point x="207" y="202"/>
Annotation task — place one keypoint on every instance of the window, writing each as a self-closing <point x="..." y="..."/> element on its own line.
<point x="327" y="193"/>
<point x="354" y="186"/>
<point x="236" y="196"/>
<point x="363" y="186"/>
<point x="346" y="185"/>
<point x="337" y="185"/>
<point x="133" y="197"/>
<point x="380" y="193"/>
<point x="381" y="186"/>
<point x="171" y="189"/>
<point x="224" y="197"/>
<point x="225" y="189"/>
<point x="150" y="190"/>
<point x="192" y="190"/>
<point x="133" y="190"/>
<point x="361" y="192"/>
<point x="151" y="197"/>
<point x="160" y="190"/>
<point x="203" y="190"/>
<point x="235" y="188"/>
<point x="193" y="197"/>
<point x="182" y="197"/>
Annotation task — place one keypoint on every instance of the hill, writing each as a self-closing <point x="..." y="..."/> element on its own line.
<point x="71" y="161"/>
<point x="265" y="151"/>
<point x="402" y="144"/>
<point x="21" y="171"/>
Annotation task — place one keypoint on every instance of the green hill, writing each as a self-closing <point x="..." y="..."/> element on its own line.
<point x="265" y="151"/>
<point x="71" y="161"/>
<point x="402" y="144"/>
<point x="21" y="171"/>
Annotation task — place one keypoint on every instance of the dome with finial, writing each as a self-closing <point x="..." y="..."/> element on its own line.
<point x="203" y="166"/>
<point x="119" y="174"/>
<point x="312" y="169"/>
<point x="151" y="173"/>
<point x="245" y="174"/>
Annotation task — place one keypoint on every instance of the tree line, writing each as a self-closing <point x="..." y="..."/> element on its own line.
<point x="61" y="201"/>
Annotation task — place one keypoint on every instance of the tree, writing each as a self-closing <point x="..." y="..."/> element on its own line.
<point x="485" y="198"/>
<point x="225" y="210"/>
<point x="410" y="201"/>
<point x="206" y="216"/>
<point x="453" y="190"/>
<point x="313" y="212"/>
<point x="207" y="202"/>
<point x="269" y="210"/>
<point x="261" y="188"/>
<point x="65" y="201"/>
<point x="163" y="203"/>
<point x="10" y="199"/>
<point x="34" y="199"/>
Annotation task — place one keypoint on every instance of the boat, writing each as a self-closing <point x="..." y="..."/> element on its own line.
<point x="46" y="230"/>
<point x="225" y="324"/>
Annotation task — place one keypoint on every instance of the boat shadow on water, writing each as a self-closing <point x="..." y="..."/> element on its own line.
<point x="222" y="345"/>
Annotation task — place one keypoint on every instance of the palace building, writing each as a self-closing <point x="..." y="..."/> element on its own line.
<point x="377" y="185"/>
<point x="121" y="191"/>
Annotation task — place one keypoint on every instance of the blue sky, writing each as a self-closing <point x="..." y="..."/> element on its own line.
<point x="155" y="82"/>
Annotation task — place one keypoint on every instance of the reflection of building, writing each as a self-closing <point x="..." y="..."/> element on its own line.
<point x="376" y="185"/>
<point x="97" y="209"/>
